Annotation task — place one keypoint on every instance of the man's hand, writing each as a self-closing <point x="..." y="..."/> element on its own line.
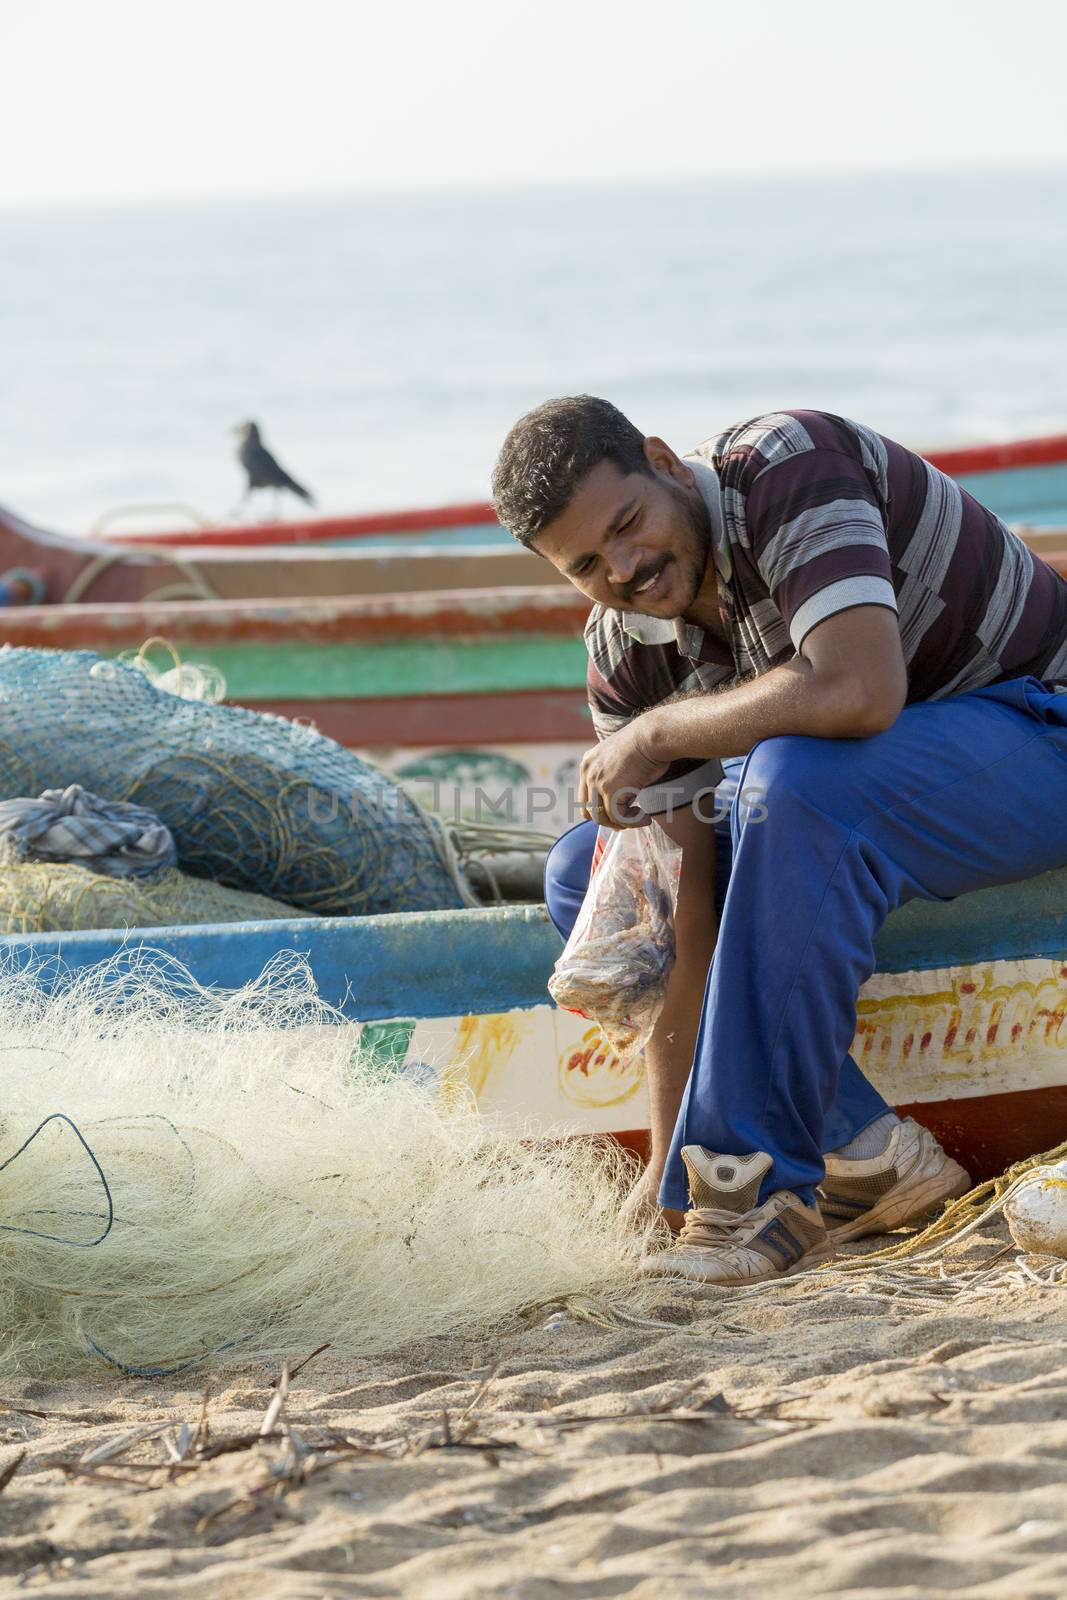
<point x="641" y="1211"/>
<point x="614" y="770"/>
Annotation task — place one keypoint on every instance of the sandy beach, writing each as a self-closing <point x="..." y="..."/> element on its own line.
<point x="842" y="1442"/>
<point x="447" y="453"/>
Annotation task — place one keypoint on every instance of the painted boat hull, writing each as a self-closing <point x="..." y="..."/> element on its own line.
<point x="963" y="1025"/>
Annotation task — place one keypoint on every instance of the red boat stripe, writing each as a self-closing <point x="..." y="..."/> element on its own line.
<point x="532" y="716"/>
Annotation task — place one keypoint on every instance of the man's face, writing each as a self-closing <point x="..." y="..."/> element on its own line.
<point x="633" y="542"/>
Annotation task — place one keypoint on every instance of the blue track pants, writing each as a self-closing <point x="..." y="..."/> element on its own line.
<point x="958" y="794"/>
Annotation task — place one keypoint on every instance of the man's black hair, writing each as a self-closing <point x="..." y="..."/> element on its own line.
<point x="549" y="451"/>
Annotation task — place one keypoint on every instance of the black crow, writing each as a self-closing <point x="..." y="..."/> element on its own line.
<point x="263" y="471"/>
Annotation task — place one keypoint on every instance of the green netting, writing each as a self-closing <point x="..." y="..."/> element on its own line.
<point x="58" y="897"/>
<point x="254" y="801"/>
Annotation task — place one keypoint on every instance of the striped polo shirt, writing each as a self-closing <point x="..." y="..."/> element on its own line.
<point x="810" y="515"/>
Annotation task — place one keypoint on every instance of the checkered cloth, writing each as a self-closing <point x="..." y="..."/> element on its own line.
<point x="110" y="836"/>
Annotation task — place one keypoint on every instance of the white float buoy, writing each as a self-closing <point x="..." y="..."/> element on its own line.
<point x="1037" y="1212"/>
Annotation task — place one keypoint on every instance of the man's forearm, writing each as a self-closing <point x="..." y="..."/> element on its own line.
<point x="669" y="1052"/>
<point x="849" y="682"/>
<point x="791" y="698"/>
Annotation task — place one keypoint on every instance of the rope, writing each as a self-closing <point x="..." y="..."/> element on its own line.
<point x="129" y="1371"/>
<point x="195" y="580"/>
<point x="52" y="1238"/>
<point x="460" y="842"/>
<point x="191" y="681"/>
<point x="478" y="841"/>
<point x="444" y="843"/>
<point x="494" y="839"/>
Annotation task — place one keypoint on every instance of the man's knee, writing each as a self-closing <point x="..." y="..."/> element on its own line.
<point x="569" y="860"/>
<point x="567" y="868"/>
<point x="779" y="776"/>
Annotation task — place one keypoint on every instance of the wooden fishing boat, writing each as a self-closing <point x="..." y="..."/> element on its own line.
<point x="963" y="1025"/>
<point x="1023" y="481"/>
<point x="449" y="547"/>
<point x="59" y="569"/>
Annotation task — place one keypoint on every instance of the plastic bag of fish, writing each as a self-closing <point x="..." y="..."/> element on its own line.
<point x="615" y="965"/>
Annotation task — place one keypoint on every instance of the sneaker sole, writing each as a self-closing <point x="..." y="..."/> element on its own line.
<point x="815" y="1257"/>
<point x="902" y="1209"/>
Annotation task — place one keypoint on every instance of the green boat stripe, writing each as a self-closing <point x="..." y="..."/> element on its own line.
<point x="331" y="671"/>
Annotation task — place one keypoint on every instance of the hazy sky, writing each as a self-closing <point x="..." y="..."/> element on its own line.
<point x="117" y="100"/>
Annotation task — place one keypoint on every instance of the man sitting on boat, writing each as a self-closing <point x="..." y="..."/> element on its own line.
<point x="884" y="654"/>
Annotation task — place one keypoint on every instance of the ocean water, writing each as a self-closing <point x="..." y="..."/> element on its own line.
<point x="385" y="345"/>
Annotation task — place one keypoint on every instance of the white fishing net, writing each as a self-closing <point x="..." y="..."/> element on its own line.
<point x="190" y="1176"/>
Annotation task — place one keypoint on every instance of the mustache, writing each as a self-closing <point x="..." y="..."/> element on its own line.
<point x="651" y="569"/>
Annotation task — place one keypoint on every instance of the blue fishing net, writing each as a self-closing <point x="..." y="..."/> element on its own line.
<point x="253" y="801"/>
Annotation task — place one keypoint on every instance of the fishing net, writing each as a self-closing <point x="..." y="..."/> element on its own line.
<point x="57" y="897"/>
<point x="254" y="801"/>
<point x="192" y="1175"/>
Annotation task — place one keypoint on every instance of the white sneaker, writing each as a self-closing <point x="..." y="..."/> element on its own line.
<point x="911" y="1178"/>
<point x="726" y="1238"/>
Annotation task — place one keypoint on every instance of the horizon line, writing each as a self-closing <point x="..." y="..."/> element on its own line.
<point x="497" y="187"/>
